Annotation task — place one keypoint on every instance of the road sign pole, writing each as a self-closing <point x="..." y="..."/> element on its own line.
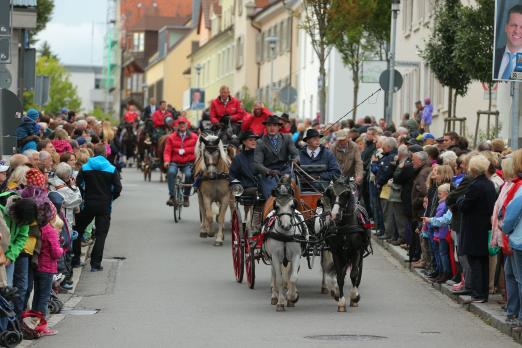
<point x="515" y="100"/>
<point x="395" y="10"/>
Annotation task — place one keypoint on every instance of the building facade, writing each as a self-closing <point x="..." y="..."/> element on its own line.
<point x="90" y="84"/>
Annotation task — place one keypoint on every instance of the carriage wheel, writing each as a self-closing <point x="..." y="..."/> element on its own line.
<point x="250" y="265"/>
<point x="238" y="259"/>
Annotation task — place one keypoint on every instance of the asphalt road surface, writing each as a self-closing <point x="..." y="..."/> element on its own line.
<point x="174" y="289"/>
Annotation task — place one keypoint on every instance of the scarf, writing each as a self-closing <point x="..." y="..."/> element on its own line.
<point x="506" y="249"/>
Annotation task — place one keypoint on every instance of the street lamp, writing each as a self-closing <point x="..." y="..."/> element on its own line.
<point x="272" y="42"/>
<point x="198" y="68"/>
<point x="250" y="8"/>
<point x="396" y="4"/>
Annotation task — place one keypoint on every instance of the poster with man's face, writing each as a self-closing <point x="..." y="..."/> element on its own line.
<point x="197" y="99"/>
<point x="507" y="59"/>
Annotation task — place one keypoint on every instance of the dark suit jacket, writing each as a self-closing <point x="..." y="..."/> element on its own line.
<point x="499" y="54"/>
<point x="265" y="158"/>
<point x="147" y="113"/>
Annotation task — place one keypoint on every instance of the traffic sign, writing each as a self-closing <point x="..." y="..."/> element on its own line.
<point x="288" y="95"/>
<point x="10" y="115"/>
<point x="5" y="18"/>
<point x="384" y="80"/>
<point x="5" y="77"/>
<point x="5" y="49"/>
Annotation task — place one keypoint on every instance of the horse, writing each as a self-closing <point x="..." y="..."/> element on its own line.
<point x="211" y="166"/>
<point x="346" y="239"/>
<point x="127" y="140"/>
<point x="283" y="226"/>
<point x="144" y="142"/>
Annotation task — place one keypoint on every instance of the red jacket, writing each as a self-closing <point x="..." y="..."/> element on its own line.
<point x="158" y="118"/>
<point x="232" y="108"/>
<point x="255" y="123"/>
<point x="130" y="117"/>
<point x="174" y="143"/>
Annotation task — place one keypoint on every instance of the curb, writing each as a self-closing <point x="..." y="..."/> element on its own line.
<point x="489" y="312"/>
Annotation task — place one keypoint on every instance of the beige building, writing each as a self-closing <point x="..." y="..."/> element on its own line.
<point x="413" y="30"/>
<point x="164" y="74"/>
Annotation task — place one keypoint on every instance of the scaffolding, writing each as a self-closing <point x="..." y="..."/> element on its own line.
<point x="111" y="54"/>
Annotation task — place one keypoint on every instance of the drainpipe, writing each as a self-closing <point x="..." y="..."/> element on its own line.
<point x="291" y="12"/>
<point x="258" y="63"/>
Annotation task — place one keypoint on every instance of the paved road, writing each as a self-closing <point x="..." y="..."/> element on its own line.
<point x="177" y="290"/>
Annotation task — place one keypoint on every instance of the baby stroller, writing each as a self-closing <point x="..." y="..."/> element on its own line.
<point x="55" y="305"/>
<point x="10" y="332"/>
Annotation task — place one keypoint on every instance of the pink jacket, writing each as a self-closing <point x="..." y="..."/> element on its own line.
<point x="496" y="222"/>
<point x="50" y="250"/>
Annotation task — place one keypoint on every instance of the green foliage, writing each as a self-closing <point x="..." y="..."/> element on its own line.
<point x="45" y="51"/>
<point x="473" y="40"/>
<point x="103" y="116"/>
<point x="62" y="93"/>
<point x="247" y="100"/>
<point x="440" y="50"/>
<point x="44" y="10"/>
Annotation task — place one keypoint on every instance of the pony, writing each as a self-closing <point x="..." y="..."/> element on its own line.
<point x="346" y="239"/>
<point x="144" y="142"/>
<point x="211" y="166"/>
<point x="128" y="141"/>
<point x="283" y="228"/>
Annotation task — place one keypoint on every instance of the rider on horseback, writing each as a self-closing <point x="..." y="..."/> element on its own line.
<point x="273" y="154"/>
<point x="158" y="120"/>
<point x="226" y="106"/>
<point x="180" y="154"/>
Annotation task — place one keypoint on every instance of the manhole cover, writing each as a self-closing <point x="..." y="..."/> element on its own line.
<point x="79" y="311"/>
<point x="358" y="338"/>
<point x="430" y="332"/>
<point x="119" y="258"/>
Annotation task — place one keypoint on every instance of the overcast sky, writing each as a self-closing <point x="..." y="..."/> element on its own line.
<point x="71" y="33"/>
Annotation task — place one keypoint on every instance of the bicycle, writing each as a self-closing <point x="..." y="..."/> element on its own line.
<point x="179" y="190"/>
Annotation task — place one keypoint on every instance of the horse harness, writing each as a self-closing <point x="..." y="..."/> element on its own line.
<point x="280" y="237"/>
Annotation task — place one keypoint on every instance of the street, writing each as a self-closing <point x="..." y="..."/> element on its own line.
<point x="174" y="289"/>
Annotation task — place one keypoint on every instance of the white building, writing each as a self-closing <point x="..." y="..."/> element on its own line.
<point x="339" y="94"/>
<point x="414" y="25"/>
<point x="89" y="81"/>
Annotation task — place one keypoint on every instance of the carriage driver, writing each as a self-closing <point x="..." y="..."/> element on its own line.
<point x="316" y="154"/>
<point x="180" y="154"/>
<point x="242" y="167"/>
<point x="273" y="155"/>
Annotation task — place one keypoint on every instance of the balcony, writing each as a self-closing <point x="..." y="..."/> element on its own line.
<point x="99" y="96"/>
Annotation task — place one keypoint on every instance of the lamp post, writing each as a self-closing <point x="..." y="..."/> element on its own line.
<point x="272" y="42"/>
<point x="395" y="10"/>
<point x="198" y="68"/>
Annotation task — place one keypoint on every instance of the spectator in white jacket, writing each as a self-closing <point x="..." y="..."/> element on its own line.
<point x="64" y="183"/>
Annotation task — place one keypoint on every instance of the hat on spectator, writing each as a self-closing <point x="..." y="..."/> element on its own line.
<point x="285" y="117"/>
<point x="415" y="148"/>
<point x="272" y="119"/>
<point x="440" y="140"/>
<point x="182" y="120"/>
<point x="4" y="166"/>
<point x="34" y="177"/>
<point x="426" y="136"/>
<point x="341" y="134"/>
<point x="311" y="133"/>
<point x="247" y="135"/>
<point x="33" y="114"/>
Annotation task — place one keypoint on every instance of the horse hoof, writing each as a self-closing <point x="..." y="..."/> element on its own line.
<point x="324" y="290"/>
<point x="290" y="304"/>
<point x="332" y="293"/>
<point x="294" y="301"/>
<point x="218" y="243"/>
<point x="211" y="234"/>
<point x="273" y="301"/>
<point x="203" y="235"/>
<point x="280" y="308"/>
<point x="354" y="304"/>
<point x="341" y="308"/>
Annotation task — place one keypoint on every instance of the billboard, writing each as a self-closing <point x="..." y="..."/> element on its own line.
<point x="507" y="55"/>
<point x="197" y="99"/>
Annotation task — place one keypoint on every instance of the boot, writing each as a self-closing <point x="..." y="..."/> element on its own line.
<point x="186" y="202"/>
<point x="171" y="201"/>
<point x="443" y="278"/>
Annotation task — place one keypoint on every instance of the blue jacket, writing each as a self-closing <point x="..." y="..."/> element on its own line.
<point x="512" y="225"/>
<point x="242" y="169"/>
<point x="27" y="128"/>
<point x="384" y="168"/>
<point x="325" y="157"/>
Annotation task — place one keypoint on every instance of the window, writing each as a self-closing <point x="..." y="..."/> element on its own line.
<point x="138" y="42"/>
<point x="98" y="83"/>
<point x="159" y="90"/>
<point x="239" y="8"/>
<point x="281" y="36"/>
<point x="420" y="11"/>
<point x="288" y="34"/>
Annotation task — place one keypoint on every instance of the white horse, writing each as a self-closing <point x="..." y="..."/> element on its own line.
<point x="211" y="165"/>
<point x="284" y="251"/>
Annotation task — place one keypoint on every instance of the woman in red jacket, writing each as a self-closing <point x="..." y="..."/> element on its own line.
<point x="225" y="105"/>
<point x="180" y="154"/>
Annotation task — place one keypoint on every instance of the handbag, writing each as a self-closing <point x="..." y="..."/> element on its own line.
<point x="493" y="251"/>
<point x="385" y="192"/>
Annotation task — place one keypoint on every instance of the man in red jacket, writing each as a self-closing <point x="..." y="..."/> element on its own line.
<point x="225" y="105"/>
<point x="180" y="154"/>
<point x="158" y="118"/>
<point x="254" y="122"/>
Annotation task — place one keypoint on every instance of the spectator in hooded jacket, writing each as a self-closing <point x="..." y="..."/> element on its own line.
<point x="100" y="185"/>
<point x="179" y="154"/>
<point x="28" y="131"/>
<point x="254" y="122"/>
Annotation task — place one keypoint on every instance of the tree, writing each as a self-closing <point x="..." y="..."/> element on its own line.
<point x="62" y="93"/>
<point x="357" y="34"/>
<point x="45" y="51"/>
<point x="316" y="23"/>
<point x="44" y="10"/>
<point x="475" y="34"/>
<point x="440" y="50"/>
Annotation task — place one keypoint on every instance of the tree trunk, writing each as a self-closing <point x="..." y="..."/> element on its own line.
<point x="355" y="79"/>
<point x="490" y="101"/>
<point x="450" y="103"/>
<point x="322" y="91"/>
<point x="455" y="105"/>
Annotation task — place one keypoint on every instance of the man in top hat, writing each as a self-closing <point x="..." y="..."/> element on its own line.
<point x="273" y="154"/>
<point x="348" y="156"/>
<point x="316" y="154"/>
<point x="242" y="167"/>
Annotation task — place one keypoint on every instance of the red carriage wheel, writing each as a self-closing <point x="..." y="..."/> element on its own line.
<point x="237" y="249"/>
<point x="250" y="265"/>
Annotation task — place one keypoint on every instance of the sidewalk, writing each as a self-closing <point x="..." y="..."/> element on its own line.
<point x="491" y="312"/>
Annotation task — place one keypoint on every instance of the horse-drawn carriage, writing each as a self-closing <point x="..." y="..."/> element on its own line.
<point x="324" y="219"/>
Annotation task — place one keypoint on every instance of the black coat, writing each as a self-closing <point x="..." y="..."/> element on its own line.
<point x="242" y="169"/>
<point x="476" y="207"/>
<point x="451" y="202"/>
<point x="404" y="176"/>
